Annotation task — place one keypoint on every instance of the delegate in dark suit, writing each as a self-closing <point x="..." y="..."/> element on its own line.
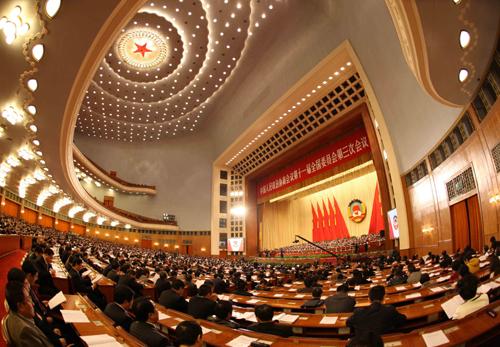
<point x="171" y="299"/>
<point x="119" y="315"/>
<point x="201" y="307"/>
<point x="45" y="281"/>
<point x="376" y="318"/>
<point x="340" y="302"/>
<point x="24" y="333"/>
<point x="148" y="334"/>
<point x="272" y="328"/>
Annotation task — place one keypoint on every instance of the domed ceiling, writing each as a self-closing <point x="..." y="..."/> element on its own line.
<point x="167" y="63"/>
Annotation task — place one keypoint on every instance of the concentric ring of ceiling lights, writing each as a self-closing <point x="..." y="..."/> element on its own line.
<point x="142" y="49"/>
<point x="127" y="101"/>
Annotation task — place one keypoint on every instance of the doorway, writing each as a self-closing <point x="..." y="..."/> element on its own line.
<point x="466" y="224"/>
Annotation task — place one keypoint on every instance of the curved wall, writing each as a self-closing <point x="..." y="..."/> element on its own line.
<point x="180" y="169"/>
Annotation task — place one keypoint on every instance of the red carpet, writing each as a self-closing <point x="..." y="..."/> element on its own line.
<point x="6" y="263"/>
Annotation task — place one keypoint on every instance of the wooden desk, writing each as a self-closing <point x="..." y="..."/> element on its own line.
<point x="457" y="331"/>
<point x="99" y="322"/>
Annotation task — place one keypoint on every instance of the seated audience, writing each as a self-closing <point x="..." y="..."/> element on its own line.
<point x="265" y="323"/>
<point x="223" y="314"/>
<point x="202" y="306"/>
<point x="241" y="288"/>
<point x="144" y="327"/>
<point x="414" y="276"/>
<point x="172" y="298"/>
<point x="44" y="268"/>
<point x="376" y="318"/>
<point x="20" y="326"/>
<point x="340" y="302"/>
<point x="188" y="334"/>
<point x="118" y="310"/>
<point x="467" y="289"/>
<point x="162" y="283"/>
<point x="425" y="280"/>
<point x="316" y="299"/>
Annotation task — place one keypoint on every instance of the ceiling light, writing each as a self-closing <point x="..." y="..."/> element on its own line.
<point x="12" y="115"/>
<point x="25" y="153"/>
<point x="37" y="51"/>
<point x="463" y="74"/>
<point x="39" y="175"/>
<point x="13" y="26"/>
<point x="36" y="142"/>
<point x="74" y="210"/>
<point x="33" y="128"/>
<point x="464" y="38"/>
<point x="32" y="84"/>
<point x="52" y="7"/>
<point x="31" y="109"/>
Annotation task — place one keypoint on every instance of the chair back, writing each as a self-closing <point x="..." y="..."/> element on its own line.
<point x="5" y="332"/>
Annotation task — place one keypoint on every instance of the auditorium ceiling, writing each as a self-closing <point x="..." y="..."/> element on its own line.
<point x="153" y="72"/>
<point x="167" y="63"/>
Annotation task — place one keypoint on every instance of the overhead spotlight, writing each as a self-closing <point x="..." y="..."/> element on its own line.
<point x="464" y="38"/>
<point x="32" y="84"/>
<point x="37" y="51"/>
<point x="463" y="74"/>
<point x="52" y="7"/>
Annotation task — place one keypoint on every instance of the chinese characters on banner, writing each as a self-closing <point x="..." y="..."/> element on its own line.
<point x="335" y="154"/>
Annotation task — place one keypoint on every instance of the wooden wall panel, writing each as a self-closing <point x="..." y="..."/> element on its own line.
<point x="47" y="221"/>
<point x="62" y="226"/>
<point x="78" y="229"/>
<point x="29" y="216"/>
<point x="428" y="198"/>
<point x="11" y="208"/>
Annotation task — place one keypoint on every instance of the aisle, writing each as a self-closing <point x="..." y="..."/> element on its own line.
<point x="6" y="263"/>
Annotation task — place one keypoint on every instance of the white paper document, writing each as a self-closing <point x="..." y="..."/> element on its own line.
<point x="97" y="278"/>
<point x="299" y="296"/>
<point x="205" y="330"/>
<point x="86" y="273"/>
<point x="414" y="295"/>
<point x="436" y="289"/>
<point x="162" y="316"/>
<point x="450" y="306"/>
<point x="249" y="316"/>
<point x="241" y="341"/>
<point x="278" y="295"/>
<point x="252" y="301"/>
<point x="74" y="316"/>
<point x="57" y="299"/>
<point x="328" y="320"/>
<point x="100" y="340"/>
<point x="357" y="287"/>
<point x="442" y="279"/>
<point x="398" y="288"/>
<point x="436" y="338"/>
<point x="287" y="318"/>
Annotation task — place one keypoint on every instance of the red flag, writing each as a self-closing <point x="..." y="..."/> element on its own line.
<point x="321" y="229"/>
<point x="377" y="219"/>
<point x="333" y="225"/>
<point x="340" y="222"/>
<point x="315" y="224"/>
<point x="326" y="222"/>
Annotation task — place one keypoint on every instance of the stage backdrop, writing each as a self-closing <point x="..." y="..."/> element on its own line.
<point x="324" y="215"/>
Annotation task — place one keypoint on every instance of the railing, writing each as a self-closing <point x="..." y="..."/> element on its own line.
<point x="111" y="180"/>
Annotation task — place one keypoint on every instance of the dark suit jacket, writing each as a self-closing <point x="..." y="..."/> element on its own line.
<point x="79" y="284"/>
<point x="119" y="315"/>
<point x="24" y="333"/>
<point x="272" y="328"/>
<point x="376" y="318"/>
<point x="161" y="285"/>
<point x="132" y="283"/>
<point x="47" y="286"/>
<point x="113" y="275"/>
<point x="339" y="303"/>
<point x="201" y="307"/>
<point x="148" y="334"/>
<point x="171" y="299"/>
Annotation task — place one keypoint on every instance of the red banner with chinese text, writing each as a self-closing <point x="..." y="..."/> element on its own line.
<point x="324" y="159"/>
